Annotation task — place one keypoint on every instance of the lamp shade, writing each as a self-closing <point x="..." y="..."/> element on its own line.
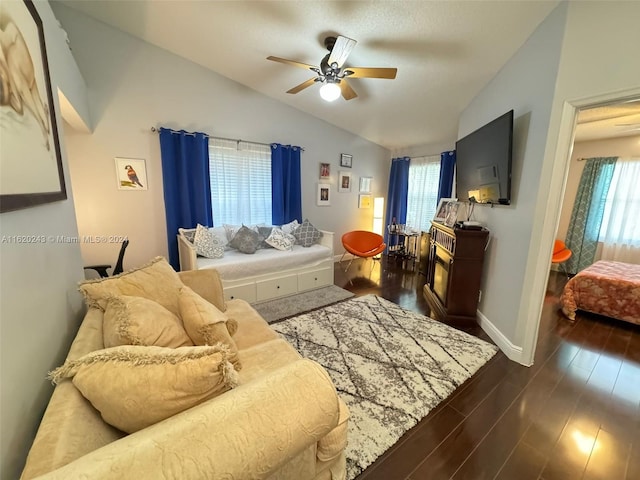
<point x="329" y="92"/>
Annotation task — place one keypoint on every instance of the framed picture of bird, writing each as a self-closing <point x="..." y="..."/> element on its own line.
<point x="131" y="173"/>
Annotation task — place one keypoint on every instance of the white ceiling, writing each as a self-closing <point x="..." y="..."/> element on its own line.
<point x="445" y="52"/>
<point x="620" y="120"/>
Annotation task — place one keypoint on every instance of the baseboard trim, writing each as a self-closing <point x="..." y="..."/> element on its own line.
<point x="513" y="352"/>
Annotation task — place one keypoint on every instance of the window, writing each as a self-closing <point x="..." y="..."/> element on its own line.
<point x="621" y="219"/>
<point x="240" y="174"/>
<point x="422" y="195"/>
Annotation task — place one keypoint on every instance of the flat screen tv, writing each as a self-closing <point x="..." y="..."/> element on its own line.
<point x="483" y="163"/>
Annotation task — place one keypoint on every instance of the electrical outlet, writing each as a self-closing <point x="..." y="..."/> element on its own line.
<point x="479" y="296"/>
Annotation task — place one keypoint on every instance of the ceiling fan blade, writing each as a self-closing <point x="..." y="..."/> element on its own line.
<point x="341" y="50"/>
<point x="303" y="85"/>
<point x="293" y="62"/>
<point x="364" y="72"/>
<point x="347" y="92"/>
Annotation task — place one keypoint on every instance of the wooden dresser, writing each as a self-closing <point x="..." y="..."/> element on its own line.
<point x="454" y="272"/>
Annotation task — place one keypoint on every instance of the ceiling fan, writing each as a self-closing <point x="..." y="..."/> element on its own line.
<point x="333" y="74"/>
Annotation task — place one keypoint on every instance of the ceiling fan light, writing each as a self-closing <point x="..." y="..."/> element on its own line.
<point x="330" y="92"/>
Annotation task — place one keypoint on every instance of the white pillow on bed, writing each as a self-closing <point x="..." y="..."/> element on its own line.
<point x="281" y="240"/>
<point x="290" y="227"/>
<point x="207" y="243"/>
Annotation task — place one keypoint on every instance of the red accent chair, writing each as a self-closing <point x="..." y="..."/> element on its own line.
<point x="560" y="255"/>
<point x="363" y="244"/>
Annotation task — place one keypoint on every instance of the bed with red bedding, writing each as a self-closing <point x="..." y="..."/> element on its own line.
<point x="606" y="288"/>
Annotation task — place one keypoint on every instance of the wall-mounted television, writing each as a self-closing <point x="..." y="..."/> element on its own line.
<point x="483" y="163"/>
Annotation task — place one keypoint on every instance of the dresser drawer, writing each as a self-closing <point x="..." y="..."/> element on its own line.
<point x="277" y="287"/>
<point x="315" y="279"/>
<point x="245" y="292"/>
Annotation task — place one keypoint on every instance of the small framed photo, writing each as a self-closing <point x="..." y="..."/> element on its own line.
<point x="441" y="211"/>
<point x="325" y="171"/>
<point x="364" y="201"/>
<point x="344" y="182"/>
<point x="346" y="160"/>
<point x="365" y="184"/>
<point x="131" y="173"/>
<point x="324" y="195"/>
<point x="452" y="214"/>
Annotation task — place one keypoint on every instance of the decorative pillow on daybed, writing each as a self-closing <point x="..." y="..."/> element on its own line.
<point x="156" y="281"/>
<point x="207" y="243"/>
<point x="281" y="240"/>
<point x="133" y="387"/>
<point x="205" y="324"/>
<point x="306" y="234"/>
<point x="140" y="321"/>
<point x="290" y="227"/>
<point x="246" y="240"/>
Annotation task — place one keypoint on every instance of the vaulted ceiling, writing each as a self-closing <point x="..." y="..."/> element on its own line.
<point x="445" y="52"/>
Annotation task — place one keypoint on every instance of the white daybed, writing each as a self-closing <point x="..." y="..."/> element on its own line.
<point x="268" y="273"/>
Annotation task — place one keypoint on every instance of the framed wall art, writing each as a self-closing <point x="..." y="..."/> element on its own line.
<point x="324" y="195"/>
<point x="325" y="171"/>
<point x="365" y="184"/>
<point x="364" y="201"/>
<point x="346" y="160"/>
<point x="30" y="160"/>
<point x="344" y="181"/>
<point x="131" y="173"/>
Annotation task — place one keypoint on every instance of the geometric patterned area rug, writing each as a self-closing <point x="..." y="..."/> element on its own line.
<point x="391" y="366"/>
<point x="280" y="308"/>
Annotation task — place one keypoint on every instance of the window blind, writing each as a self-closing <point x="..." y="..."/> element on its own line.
<point x="422" y="194"/>
<point x="240" y="174"/>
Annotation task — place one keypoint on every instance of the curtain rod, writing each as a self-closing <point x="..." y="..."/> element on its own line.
<point x="237" y="140"/>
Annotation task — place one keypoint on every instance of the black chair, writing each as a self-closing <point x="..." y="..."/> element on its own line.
<point x="102" y="269"/>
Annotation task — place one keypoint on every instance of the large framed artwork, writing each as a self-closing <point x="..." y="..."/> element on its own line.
<point x="30" y="162"/>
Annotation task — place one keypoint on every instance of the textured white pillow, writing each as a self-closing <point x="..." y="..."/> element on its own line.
<point x="290" y="227"/>
<point x="207" y="243"/>
<point x="281" y="240"/>
<point x="221" y="233"/>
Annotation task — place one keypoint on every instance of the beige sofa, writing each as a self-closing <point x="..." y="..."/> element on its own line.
<point x="284" y="420"/>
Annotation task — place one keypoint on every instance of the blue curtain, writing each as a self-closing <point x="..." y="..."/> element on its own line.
<point x="588" y="211"/>
<point x="447" y="164"/>
<point x="187" y="188"/>
<point x="285" y="184"/>
<point x="397" y="197"/>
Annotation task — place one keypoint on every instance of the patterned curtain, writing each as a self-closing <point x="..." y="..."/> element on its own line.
<point x="588" y="210"/>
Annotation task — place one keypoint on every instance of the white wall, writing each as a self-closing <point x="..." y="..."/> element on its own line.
<point x="133" y="86"/>
<point x="526" y="85"/>
<point x="40" y="308"/>
<point x="612" y="147"/>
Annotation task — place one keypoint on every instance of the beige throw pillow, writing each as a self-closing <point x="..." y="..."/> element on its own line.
<point x="157" y="281"/>
<point x="140" y="321"/>
<point x="204" y="323"/>
<point x="133" y="387"/>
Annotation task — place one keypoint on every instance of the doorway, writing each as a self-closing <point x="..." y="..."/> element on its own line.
<point x="564" y="154"/>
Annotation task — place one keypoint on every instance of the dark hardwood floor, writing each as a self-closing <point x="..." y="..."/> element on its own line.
<point x="575" y="414"/>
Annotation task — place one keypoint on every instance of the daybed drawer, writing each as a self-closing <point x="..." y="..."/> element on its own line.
<point x="245" y="292"/>
<point x="277" y="287"/>
<point x="315" y="279"/>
